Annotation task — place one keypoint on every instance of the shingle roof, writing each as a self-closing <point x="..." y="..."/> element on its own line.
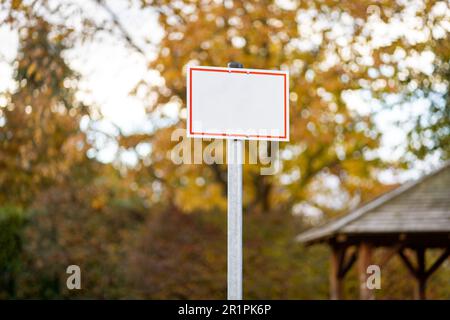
<point x="421" y="206"/>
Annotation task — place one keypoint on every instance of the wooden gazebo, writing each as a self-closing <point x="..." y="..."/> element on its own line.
<point x="414" y="216"/>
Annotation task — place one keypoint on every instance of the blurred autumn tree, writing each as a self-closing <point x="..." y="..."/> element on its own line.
<point x="41" y="145"/>
<point x="41" y="139"/>
<point x="78" y="210"/>
<point x="327" y="139"/>
<point x="331" y="50"/>
<point x="157" y="230"/>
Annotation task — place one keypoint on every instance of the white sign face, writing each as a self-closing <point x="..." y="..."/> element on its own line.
<point x="231" y="103"/>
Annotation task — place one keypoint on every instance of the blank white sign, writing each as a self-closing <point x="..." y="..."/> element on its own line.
<point x="231" y="103"/>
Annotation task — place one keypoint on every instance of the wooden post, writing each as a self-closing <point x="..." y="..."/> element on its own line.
<point x="364" y="260"/>
<point x="336" y="281"/>
<point x="421" y="277"/>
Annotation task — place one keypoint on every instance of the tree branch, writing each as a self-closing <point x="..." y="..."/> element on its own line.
<point x="116" y="21"/>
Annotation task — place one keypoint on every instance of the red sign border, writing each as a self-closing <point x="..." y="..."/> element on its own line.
<point x="284" y="75"/>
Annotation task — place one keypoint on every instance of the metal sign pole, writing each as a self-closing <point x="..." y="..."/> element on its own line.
<point x="234" y="219"/>
<point x="234" y="157"/>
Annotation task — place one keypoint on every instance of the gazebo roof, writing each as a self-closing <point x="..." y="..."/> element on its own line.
<point x="418" y="208"/>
